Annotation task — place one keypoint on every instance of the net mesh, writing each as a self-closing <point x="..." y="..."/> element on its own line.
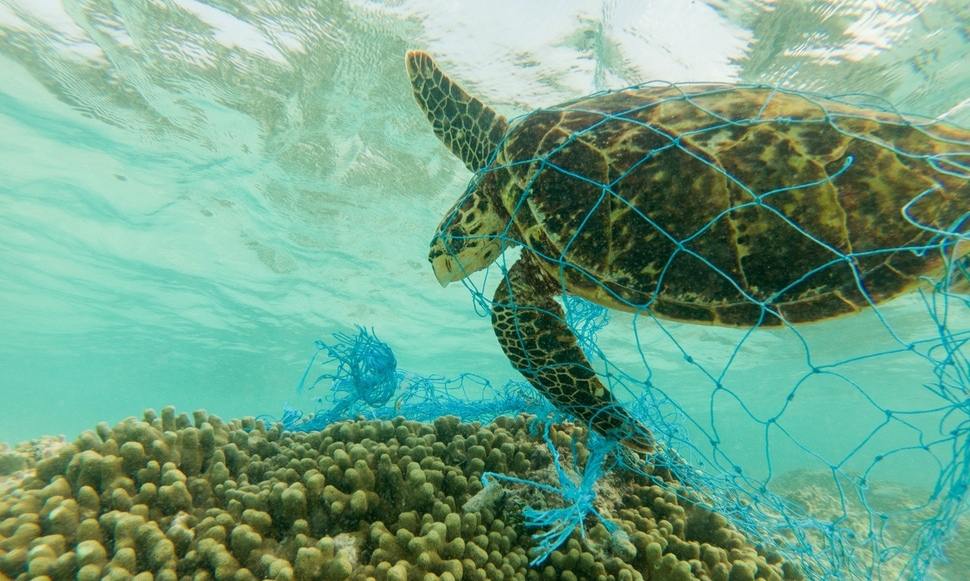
<point x="357" y="376"/>
<point x="843" y="443"/>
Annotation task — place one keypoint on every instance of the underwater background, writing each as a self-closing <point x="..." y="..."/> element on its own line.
<point x="194" y="192"/>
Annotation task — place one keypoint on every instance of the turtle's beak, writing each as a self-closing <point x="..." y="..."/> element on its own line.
<point x="445" y="269"/>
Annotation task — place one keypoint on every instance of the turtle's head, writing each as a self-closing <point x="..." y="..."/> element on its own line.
<point x="469" y="238"/>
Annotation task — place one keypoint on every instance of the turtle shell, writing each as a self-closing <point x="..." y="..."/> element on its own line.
<point x="733" y="205"/>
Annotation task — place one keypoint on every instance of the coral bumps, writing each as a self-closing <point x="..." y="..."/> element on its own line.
<point x="174" y="497"/>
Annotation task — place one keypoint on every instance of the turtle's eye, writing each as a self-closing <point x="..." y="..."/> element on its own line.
<point x="446" y="242"/>
<point x="458" y="244"/>
<point x="453" y="243"/>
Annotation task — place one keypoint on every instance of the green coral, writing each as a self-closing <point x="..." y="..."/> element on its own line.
<point x="174" y="496"/>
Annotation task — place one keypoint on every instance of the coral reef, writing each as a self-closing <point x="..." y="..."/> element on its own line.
<point x="15" y="463"/>
<point x="180" y="497"/>
<point x="10" y="461"/>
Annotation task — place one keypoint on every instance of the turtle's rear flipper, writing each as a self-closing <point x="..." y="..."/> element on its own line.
<point x="532" y="331"/>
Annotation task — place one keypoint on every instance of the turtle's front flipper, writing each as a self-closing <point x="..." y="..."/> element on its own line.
<point x="533" y="333"/>
<point x="469" y="128"/>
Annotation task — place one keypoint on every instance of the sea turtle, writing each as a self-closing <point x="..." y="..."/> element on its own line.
<point x="712" y="203"/>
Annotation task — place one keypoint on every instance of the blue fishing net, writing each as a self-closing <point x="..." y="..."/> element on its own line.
<point x="359" y="378"/>
<point x="845" y="444"/>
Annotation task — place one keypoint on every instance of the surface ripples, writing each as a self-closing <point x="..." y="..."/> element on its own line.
<point x="194" y="191"/>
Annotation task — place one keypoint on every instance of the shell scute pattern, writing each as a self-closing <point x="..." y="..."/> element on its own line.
<point x="706" y="206"/>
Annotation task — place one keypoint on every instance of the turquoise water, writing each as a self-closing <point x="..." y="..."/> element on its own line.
<point x="193" y="192"/>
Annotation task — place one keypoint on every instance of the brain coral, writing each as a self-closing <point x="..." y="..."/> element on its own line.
<point x="179" y="497"/>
